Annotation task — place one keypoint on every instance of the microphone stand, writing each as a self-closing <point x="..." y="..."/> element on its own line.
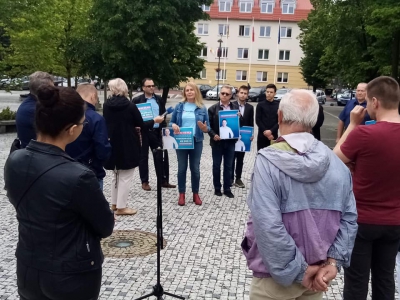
<point x="158" y="290"/>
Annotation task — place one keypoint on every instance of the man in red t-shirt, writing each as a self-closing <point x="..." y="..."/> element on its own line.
<point x="374" y="152"/>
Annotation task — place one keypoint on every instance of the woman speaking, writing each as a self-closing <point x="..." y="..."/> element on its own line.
<point x="62" y="212"/>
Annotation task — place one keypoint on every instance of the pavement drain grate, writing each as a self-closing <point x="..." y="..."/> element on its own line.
<point x="130" y="243"/>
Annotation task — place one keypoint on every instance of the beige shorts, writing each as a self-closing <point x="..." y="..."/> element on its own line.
<point x="268" y="289"/>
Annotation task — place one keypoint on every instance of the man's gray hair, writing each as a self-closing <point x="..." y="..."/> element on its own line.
<point x="37" y="79"/>
<point x="300" y="107"/>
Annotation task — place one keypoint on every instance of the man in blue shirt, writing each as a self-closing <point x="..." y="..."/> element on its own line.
<point x="25" y="118"/>
<point x="92" y="148"/>
<point x="344" y="117"/>
<point x="152" y="137"/>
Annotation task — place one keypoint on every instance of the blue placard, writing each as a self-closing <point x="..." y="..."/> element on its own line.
<point x="145" y="111"/>
<point x="371" y="122"/>
<point x="243" y="143"/>
<point x="228" y="124"/>
<point x="181" y="140"/>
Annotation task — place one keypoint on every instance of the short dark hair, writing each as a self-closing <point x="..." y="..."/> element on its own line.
<point x="244" y="87"/>
<point x="386" y="90"/>
<point x="144" y="80"/>
<point x="57" y="108"/>
<point x="271" y="86"/>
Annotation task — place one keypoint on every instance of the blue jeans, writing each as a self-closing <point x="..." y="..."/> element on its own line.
<point x="194" y="156"/>
<point x="223" y="149"/>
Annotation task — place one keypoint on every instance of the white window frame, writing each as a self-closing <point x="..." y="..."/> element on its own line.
<point x="265" y="29"/>
<point x="205" y="7"/>
<point x="226" y="5"/>
<point x="202" y="52"/>
<point x="267" y="6"/>
<point x="241" y="75"/>
<point x="242" y="51"/>
<point x="285" y="53"/>
<point x="202" y="29"/>
<point x="223" y="75"/>
<point x="263" y="54"/>
<point x="260" y="77"/>
<point x="203" y="74"/>
<point x="282" y="77"/>
<point x="288" y="7"/>
<point x="225" y="29"/>
<point x="285" y="30"/>
<point x="246" y="6"/>
<point x="246" y="30"/>
<point x="224" y="52"/>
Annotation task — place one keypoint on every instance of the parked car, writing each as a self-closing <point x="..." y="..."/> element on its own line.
<point x="321" y="97"/>
<point x="280" y="93"/>
<point x="212" y="94"/>
<point x="257" y="94"/>
<point x="345" y="97"/>
<point x="204" y="88"/>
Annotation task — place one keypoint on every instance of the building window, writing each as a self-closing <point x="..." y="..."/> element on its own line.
<point x="202" y="29"/>
<point x="245" y="6"/>
<point x="263" y="54"/>
<point x="225" y="5"/>
<point x="223" y="29"/>
<point x="221" y="74"/>
<point x="203" y="52"/>
<point x="205" y="7"/>
<point x="282" y="77"/>
<point x="261" y="76"/>
<point x="241" y="75"/>
<point x="265" y="31"/>
<point x="244" y="30"/>
<point x="243" y="53"/>
<point x="267" y="6"/>
<point x="284" y="55"/>
<point x="286" y="32"/>
<point x="203" y="74"/>
<point x="223" y="52"/>
<point x="288" y="6"/>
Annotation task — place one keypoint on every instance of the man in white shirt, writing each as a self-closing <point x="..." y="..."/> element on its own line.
<point x="169" y="142"/>
<point x="225" y="132"/>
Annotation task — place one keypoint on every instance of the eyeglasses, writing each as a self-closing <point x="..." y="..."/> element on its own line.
<point x="149" y="86"/>
<point x="84" y="123"/>
<point x="225" y="94"/>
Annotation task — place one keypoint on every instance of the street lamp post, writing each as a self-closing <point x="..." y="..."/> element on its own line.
<point x="219" y="53"/>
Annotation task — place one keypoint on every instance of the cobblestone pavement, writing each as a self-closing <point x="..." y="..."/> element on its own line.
<point x="202" y="259"/>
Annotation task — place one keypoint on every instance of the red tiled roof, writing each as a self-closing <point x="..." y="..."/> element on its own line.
<point x="303" y="8"/>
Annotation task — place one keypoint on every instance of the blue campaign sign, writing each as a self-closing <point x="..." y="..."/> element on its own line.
<point x="228" y="124"/>
<point x="181" y="140"/>
<point x="145" y="111"/>
<point x="243" y="143"/>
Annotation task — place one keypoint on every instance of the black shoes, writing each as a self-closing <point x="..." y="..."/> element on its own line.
<point x="229" y="194"/>
<point x="218" y="193"/>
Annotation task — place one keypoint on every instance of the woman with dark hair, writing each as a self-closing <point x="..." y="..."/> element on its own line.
<point x="62" y="212"/>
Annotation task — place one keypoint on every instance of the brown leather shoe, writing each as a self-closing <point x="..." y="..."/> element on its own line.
<point x="125" y="211"/>
<point x="146" y="186"/>
<point x="181" y="201"/>
<point x="196" y="199"/>
<point x="168" y="185"/>
<point x="113" y="207"/>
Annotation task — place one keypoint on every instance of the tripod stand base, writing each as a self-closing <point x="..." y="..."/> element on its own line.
<point x="158" y="292"/>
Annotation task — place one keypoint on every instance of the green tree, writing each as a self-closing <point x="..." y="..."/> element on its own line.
<point x="149" y="38"/>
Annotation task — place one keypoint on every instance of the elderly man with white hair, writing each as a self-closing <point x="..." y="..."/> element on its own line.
<point x="303" y="217"/>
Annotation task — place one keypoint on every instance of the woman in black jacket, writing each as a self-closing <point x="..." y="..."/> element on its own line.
<point x="122" y="117"/>
<point x="62" y="212"/>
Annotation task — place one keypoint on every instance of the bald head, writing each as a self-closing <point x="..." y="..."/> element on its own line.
<point x="299" y="107"/>
<point x="88" y="93"/>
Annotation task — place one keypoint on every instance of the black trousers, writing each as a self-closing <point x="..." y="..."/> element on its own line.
<point x="375" y="249"/>
<point x="34" y="284"/>
<point x="152" y="139"/>
<point x="262" y="142"/>
<point x="239" y="157"/>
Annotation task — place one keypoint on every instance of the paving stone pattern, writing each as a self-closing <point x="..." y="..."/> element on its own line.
<point x="203" y="258"/>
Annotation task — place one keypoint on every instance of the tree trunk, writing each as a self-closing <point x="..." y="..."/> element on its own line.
<point x="68" y="68"/>
<point x="165" y="93"/>
<point x="395" y="55"/>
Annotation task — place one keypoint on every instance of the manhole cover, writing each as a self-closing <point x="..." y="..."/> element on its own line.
<point x="130" y="243"/>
